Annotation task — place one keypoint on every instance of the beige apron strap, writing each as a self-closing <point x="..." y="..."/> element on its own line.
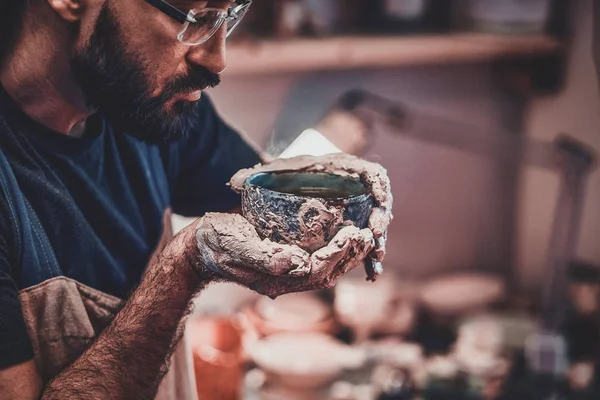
<point x="63" y="316"/>
<point x="180" y="381"/>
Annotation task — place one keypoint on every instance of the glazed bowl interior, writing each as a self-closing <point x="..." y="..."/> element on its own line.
<point x="309" y="184"/>
<point x="305" y="209"/>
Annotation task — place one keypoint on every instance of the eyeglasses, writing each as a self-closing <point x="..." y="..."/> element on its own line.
<point x="200" y="25"/>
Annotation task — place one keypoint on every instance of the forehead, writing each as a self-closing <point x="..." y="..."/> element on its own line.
<point x="138" y="10"/>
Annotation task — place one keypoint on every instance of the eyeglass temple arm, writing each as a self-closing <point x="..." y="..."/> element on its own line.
<point x="170" y="10"/>
<point x="240" y="5"/>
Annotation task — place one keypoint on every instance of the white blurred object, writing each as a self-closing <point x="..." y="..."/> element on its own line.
<point x="294" y="311"/>
<point x="179" y="222"/>
<point x="405" y="9"/>
<point x="299" y="312"/>
<point x="310" y="143"/>
<point x="305" y="360"/>
<point x="462" y="293"/>
<point x="342" y="390"/>
<point x="546" y="353"/>
<point x="509" y="16"/>
<point x="581" y="375"/>
<point x="396" y="353"/>
<point x="365" y="392"/>
<point x="496" y="333"/>
<point x="436" y="368"/>
<point x="291" y="16"/>
<point x="385" y="306"/>
<point x="223" y="298"/>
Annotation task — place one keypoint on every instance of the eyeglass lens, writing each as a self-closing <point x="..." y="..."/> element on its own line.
<point x="207" y="23"/>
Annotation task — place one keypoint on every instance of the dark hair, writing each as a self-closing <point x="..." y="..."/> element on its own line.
<point x="12" y="13"/>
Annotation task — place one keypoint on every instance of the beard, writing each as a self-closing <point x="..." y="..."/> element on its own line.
<point x="117" y="83"/>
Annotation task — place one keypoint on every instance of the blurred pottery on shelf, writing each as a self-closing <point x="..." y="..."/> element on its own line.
<point x="395" y="353"/>
<point x="305" y="360"/>
<point x="385" y="306"/>
<point x="217" y="353"/>
<point x="300" y="313"/>
<point x="461" y="294"/>
<point x="497" y="333"/>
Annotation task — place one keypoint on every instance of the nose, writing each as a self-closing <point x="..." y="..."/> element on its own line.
<point x="211" y="54"/>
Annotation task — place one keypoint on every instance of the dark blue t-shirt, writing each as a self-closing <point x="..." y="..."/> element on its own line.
<point x="90" y="208"/>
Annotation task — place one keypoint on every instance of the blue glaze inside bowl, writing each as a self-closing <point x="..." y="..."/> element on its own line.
<point x="305" y="184"/>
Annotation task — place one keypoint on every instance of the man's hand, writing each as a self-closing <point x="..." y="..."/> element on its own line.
<point x="371" y="174"/>
<point x="230" y="249"/>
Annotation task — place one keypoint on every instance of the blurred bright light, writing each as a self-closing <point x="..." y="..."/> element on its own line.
<point x="310" y="143"/>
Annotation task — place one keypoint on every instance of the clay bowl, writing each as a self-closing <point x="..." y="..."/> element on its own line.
<point x="305" y="360"/>
<point x="299" y="313"/>
<point x="303" y="208"/>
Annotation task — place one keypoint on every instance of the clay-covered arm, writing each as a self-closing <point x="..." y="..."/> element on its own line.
<point x="130" y="357"/>
<point x="371" y="174"/>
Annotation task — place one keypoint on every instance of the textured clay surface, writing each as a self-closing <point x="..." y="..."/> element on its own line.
<point x="373" y="175"/>
<point x="231" y="249"/>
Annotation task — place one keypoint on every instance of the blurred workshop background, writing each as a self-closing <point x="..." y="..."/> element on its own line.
<point x="486" y="115"/>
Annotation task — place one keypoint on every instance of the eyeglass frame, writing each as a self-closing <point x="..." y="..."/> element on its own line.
<point x="186" y="18"/>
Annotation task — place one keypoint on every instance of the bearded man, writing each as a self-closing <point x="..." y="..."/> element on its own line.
<point x="103" y="130"/>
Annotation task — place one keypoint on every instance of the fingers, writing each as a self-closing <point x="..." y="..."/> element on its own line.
<point x="229" y="242"/>
<point x="346" y="251"/>
<point x="238" y="180"/>
<point x="373" y="269"/>
<point x="379" y="221"/>
<point x="230" y="248"/>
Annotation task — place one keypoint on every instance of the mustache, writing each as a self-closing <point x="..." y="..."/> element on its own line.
<point x="199" y="78"/>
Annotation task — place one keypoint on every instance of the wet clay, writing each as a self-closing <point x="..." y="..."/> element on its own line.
<point x="315" y="220"/>
<point x="232" y="250"/>
<point x="235" y="242"/>
<point x="308" y="223"/>
<point x="373" y="175"/>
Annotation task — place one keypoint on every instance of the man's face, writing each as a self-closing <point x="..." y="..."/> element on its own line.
<point x="134" y="70"/>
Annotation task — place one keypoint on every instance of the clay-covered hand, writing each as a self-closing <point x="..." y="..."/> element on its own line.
<point x="229" y="249"/>
<point x="371" y="174"/>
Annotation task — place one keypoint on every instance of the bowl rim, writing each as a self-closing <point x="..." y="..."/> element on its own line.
<point x="355" y="198"/>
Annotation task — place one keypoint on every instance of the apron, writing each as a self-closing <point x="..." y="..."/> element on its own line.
<point x="63" y="316"/>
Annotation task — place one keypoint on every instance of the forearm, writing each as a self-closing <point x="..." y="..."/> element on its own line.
<point x="129" y="358"/>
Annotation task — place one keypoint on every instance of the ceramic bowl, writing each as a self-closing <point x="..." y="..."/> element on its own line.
<point x="305" y="361"/>
<point x="303" y="208"/>
<point x="461" y="293"/>
<point x="299" y="312"/>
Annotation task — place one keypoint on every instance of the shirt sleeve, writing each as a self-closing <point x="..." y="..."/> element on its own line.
<point x="15" y="346"/>
<point x="201" y="165"/>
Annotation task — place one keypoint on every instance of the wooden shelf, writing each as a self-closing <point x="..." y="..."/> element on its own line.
<point x="342" y="53"/>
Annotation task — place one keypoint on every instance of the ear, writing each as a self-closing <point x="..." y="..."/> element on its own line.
<point x="69" y="10"/>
